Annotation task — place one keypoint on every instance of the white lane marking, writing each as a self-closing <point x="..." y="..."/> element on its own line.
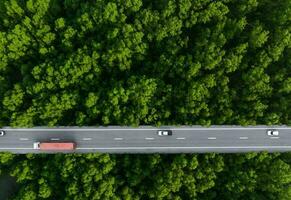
<point x="143" y="129"/>
<point x="149" y="138"/>
<point x="243" y="138"/>
<point x="87" y="138"/>
<point x="120" y="148"/>
<point x="274" y="137"/>
<point x="248" y="147"/>
<point x="16" y="148"/>
<point x="180" y="138"/>
<point x="118" y="138"/>
<point x="55" y="139"/>
<point x="23" y="138"/>
<point x="211" y="138"/>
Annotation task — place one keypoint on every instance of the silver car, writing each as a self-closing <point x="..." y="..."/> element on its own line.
<point x="164" y="132"/>
<point x="272" y="132"/>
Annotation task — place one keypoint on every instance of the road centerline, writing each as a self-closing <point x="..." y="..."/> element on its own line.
<point x="149" y="138"/>
<point x="23" y="139"/>
<point x="55" y="139"/>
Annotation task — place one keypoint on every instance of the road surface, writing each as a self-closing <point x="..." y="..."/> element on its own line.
<point x="144" y="139"/>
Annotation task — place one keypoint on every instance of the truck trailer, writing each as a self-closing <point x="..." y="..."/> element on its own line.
<point x="51" y="146"/>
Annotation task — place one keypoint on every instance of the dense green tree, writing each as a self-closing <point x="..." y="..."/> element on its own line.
<point x="254" y="176"/>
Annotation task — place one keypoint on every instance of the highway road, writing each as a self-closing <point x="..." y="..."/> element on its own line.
<point x="144" y="139"/>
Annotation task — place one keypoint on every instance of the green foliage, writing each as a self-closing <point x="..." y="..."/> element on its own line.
<point x="254" y="176"/>
<point x="132" y="62"/>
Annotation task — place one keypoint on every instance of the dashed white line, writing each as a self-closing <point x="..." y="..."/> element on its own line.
<point x="118" y="138"/>
<point x="87" y="138"/>
<point x="23" y="138"/>
<point x="55" y="139"/>
<point x="211" y="138"/>
<point x="180" y="138"/>
<point x="149" y="138"/>
<point x="274" y="137"/>
<point x="243" y="138"/>
<point x="144" y="128"/>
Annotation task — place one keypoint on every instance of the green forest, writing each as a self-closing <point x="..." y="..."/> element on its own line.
<point x="146" y="62"/>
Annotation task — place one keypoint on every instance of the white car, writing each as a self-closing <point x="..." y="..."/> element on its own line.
<point x="272" y="132"/>
<point x="2" y="133"/>
<point x="164" y="132"/>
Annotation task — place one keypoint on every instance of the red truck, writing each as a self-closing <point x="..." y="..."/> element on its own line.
<point x="51" y="146"/>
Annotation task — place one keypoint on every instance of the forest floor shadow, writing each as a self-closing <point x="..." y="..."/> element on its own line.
<point x="8" y="186"/>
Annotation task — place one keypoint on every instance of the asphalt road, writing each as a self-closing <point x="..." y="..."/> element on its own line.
<point x="144" y="139"/>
